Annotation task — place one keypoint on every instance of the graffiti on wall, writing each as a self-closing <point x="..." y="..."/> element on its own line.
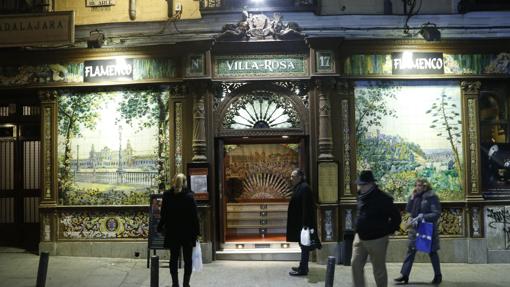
<point x="497" y="226"/>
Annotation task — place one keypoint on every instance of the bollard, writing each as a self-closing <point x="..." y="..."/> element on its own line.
<point x="330" y="271"/>
<point x="44" y="257"/>
<point x="154" y="271"/>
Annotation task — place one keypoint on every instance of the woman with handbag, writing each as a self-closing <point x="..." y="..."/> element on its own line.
<point x="179" y="223"/>
<point x="423" y="205"/>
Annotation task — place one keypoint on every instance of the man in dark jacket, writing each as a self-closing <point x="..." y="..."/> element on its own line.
<point x="377" y="218"/>
<point x="300" y="214"/>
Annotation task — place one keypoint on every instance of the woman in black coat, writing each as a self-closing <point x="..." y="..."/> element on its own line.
<point x="179" y="223"/>
<point x="422" y="205"/>
<point x="301" y="213"/>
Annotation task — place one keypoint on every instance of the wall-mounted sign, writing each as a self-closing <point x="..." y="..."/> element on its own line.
<point x="37" y="29"/>
<point x="195" y="65"/>
<point x="108" y="70"/>
<point x="324" y="61"/>
<point x="96" y="3"/>
<point x="417" y="63"/>
<point x="260" y="66"/>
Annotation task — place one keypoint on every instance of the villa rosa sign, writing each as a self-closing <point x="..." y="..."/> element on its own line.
<point x="260" y="66"/>
<point x="37" y="29"/>
<point x="417" y="63"/>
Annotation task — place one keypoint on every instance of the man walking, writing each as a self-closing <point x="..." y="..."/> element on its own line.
<point x="377" y="218"/>
<point x="300" y="215"/>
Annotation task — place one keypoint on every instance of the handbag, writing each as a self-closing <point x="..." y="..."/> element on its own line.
<point x="196" y="258"/>
<point x="424" y="236"/>
<point x="305" y="237"/>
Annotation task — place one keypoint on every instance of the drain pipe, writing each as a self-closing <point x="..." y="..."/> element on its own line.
<point x="132" y="9"/>
<point x="170" y="4"/>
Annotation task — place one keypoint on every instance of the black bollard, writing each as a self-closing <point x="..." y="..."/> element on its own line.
<point x="330" y="271"/>
<point x="44" y="258"/>
<point x="154" y="271"/>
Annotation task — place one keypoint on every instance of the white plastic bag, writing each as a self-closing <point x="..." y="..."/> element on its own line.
<point x="196" y="258"/>
<point x="305" y="237"/>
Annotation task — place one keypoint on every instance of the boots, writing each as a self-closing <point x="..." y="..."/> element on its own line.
<point x="437" y="279"/>
<point x="185" y="280"/>
<point x="175" y="279"/>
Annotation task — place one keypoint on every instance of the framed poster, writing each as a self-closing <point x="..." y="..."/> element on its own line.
<point x="198" y="180"/>
<point x="156" y="239"/>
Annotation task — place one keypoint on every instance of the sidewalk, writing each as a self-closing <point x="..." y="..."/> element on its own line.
<point x="18" y="269"/>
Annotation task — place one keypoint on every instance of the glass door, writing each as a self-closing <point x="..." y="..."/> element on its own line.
<point x="257" y="189"/>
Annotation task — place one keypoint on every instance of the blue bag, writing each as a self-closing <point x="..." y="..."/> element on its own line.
<point x="424" y="237"/>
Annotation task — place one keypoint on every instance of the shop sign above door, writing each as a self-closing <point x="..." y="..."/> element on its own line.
<point x="417" y="63"/>
<point x="111" y="70"/>
<point x="37" y="29"/>
<point x="95" y="3"/>
<point x="269" y="66"/>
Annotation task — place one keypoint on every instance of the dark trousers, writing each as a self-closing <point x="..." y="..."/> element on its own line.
<point x="175" y="252"/>
<point x="305" y="257"/>
<point x="408" y="262"/>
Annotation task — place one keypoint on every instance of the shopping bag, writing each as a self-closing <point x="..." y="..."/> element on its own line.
<point x="424" y="236"/>
<point x="305" y="237"/>
<point x="196" y="258"/>
<point x="315" y="242"/>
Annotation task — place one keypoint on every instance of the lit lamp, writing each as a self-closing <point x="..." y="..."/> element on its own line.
<point x="430" y="33"/>
<point x="96" y="39"/>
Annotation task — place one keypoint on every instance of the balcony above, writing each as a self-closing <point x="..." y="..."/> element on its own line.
<point x="226" y="6"/>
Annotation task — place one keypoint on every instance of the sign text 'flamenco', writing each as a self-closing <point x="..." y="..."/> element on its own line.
<point x="417" y="63"/>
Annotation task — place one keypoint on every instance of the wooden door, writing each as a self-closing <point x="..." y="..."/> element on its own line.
<point x="20" y="172"/>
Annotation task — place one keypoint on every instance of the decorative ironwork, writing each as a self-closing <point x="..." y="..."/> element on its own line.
<point x="475" y="221"/>
<point x="260" y="27"/>
<point x="222" y="90"/>
<point x="261" y="109"/>
<point x="178" y="138"/>
<point x="299" y="88"/>
<point x="346" y="146"/>
<point x="328" y="225"/>
<point x="103" y="225"/>
<point x="473" y="144"/>
<point x="348" y="219"/>
<point x="47" y="151"/>
<point x="266" y="5"/>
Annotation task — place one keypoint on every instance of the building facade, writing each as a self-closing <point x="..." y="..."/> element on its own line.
<point x="237" y="99"/>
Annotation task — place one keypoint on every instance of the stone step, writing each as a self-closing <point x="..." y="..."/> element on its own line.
<point x="264" y="251"/>
<point x="266" y="254"/>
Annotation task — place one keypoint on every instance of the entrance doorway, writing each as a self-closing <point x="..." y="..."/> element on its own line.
<point x="256" y="188"/>
<point x="20" y="149"/>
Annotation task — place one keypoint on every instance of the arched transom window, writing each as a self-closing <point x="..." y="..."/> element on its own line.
<point x="261" y="110"/>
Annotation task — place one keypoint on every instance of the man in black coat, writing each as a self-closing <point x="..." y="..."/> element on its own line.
<point x="301" y="213"/>
<point x="377" y="218"/>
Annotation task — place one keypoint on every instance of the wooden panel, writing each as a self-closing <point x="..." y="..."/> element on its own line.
<point x="31" y="165"/>
<point x="6" y="165"/>
<point x="31" y="209"/>
<point x="7" y="210"/>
